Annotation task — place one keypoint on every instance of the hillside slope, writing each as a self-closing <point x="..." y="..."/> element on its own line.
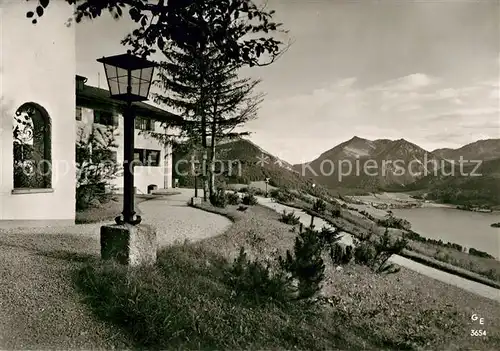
<point x="472" y="186"/>
<point x="486" y="150"/>
<point x="241" y="162"/>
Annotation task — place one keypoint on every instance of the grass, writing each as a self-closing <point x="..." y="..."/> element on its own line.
<point x="353" y="222"/>
<point x="487" y="267"/>
<point x="449" y="268"/>
<point x="107" y="211"/>
<point x="185" y="301"/>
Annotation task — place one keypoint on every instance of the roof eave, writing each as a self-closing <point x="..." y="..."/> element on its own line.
<point x="142" y="109"/>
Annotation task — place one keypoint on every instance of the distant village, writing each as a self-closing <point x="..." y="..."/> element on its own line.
<point x="386" y="206"/>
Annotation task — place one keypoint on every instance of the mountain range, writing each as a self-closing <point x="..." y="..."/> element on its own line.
<point x="366" y="165"/>
<point x="370" y="164"/>
<point x="439" y="174"/>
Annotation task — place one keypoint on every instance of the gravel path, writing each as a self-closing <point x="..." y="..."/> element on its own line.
<point x="39" y="308"/>
<point x="174" y="221"/>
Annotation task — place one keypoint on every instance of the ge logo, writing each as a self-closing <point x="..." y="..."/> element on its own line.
<point x="475" y="318"/>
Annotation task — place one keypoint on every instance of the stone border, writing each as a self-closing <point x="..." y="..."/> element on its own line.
<point x="214" y="210"/>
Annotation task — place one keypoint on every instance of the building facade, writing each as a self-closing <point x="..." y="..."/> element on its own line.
<point x="97" y="113"/>
<point x="37" y="94"/>
<point x="38" y="100"/>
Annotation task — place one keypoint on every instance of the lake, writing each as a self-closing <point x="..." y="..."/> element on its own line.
<point x="469" y="229"/>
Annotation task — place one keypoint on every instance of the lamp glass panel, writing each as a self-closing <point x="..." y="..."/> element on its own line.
<point x="123" y="83"/>
<point x="144" y="89"/>
<point x="147" y="74"/>
<point x="121" y="72"/>
<point x="136" y="73"/>
<point x="135" y="86"/>
<point x="114" y="89"/>
<point x="110" y="71"/>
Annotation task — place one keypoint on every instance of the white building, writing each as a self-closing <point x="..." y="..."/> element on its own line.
<point x="37" y="94"/>
<point x="95" y="109"/>
<point x="37" y="119"/>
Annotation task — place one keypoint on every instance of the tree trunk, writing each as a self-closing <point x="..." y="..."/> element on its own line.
<point x="194" y="171"/>
<point x="212" y="168"/>
<point x="212" y="150"/>
<point x="203" y="116"/>
<point x="205" y="178"/>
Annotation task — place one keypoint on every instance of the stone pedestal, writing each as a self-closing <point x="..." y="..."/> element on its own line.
<point x="129" y="244"/>
<point x="196" y="201"/>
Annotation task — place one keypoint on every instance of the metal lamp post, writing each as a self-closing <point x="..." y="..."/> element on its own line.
<point x="267" y="182"/>
<point x="129" y="79"/>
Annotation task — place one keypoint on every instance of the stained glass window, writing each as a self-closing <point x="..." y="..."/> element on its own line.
<point x="32" y="147"/>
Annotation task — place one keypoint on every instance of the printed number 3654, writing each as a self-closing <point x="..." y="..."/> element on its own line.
<point x="475" y="332"/>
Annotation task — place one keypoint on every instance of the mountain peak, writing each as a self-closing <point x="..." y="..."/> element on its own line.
<point x="356" y="140"/>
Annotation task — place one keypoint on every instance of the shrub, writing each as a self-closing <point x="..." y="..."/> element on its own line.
<point x="233" y="198"/>
<point x="336" y="253"/>
<point x="329" y="237"/>
<point x="341" y="254"/>
<point x="411" y="235"/>
<point x="319" y="206"/>
<point x="348" y="254"/>
<point x="289" y="218"/>
<point x="258" y="192"/>
<point x="249" y="200"/>
<point x="243" y="190"/>
<point x="256" y="282"/>
<point x="305" y="197"/>
<point x="335" y="212"/>
<point x="473" y="251"/>
<point x="219" y="199"/>
<point x="366" y="236"/>
<point x="91" y="195"/>
<point x="492" y="274"/>
<point x="282" y="195"/>
<point x="94" y="168"/>
<point x="394" y="222"/>
<point x="274" y="192"/>
<point x="364" y="253"/>
<point x="376" y="254"/>
<point x="305" y="264"/>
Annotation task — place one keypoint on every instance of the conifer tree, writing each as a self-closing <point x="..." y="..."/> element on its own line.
<point x="207" y="92"/>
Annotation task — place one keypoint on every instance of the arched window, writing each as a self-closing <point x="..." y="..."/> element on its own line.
<point x="32" y="147"/>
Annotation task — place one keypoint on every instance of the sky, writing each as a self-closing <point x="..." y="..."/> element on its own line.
<point x="425" y="71"/>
